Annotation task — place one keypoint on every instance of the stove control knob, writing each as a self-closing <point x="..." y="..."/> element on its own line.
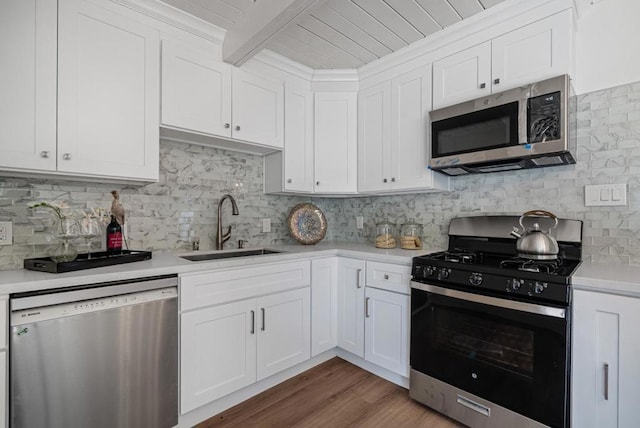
<point x="475" y="279"/>
<point x="539" y="287"/>
<point x="516" y="284"/>
<point x="443" y="273"/>
<point x="428" y="271"/>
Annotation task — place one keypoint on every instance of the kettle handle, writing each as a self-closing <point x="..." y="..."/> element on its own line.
<point x="539" y="213"/>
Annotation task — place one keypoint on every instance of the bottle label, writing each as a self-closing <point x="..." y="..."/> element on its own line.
<point x="114" y="242"/>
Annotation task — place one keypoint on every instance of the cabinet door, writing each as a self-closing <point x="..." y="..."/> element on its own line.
<point x="108" y="93"/>
<point x="462" y="76"/>
<point x="218" y="352"/>
<point x="533" y="52"/>
<point x="374" y="138"/>
<point x="284" y="328"/>
<point x="351" y="305"/>
<point x="606" y="373"/>
<point x="410" y="106"/>
<point x="196" y="90"/>
<point x="4" y="386"/>
<point x="335" y="142"/>
<point x="298" y="140"/>
<point x="28" y="34"/>
<point x="324" y="305"/>
<point x="258" y="109"/>
<point x="386" y="329"/>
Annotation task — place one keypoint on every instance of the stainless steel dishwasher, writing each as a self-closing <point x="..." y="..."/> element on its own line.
<point x="104" y="355"/>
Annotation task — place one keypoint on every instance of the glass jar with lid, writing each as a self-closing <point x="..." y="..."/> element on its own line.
<point x="385" y="234"/>
<point x="411" y="235"/>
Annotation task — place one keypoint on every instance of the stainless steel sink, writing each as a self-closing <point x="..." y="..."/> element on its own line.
<point x="228" y="255"/>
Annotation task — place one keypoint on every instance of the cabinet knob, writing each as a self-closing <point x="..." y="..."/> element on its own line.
<point x="386" y="276"/>
<point x="317" y="183"/>
<point x="289" y="180"/>
<point x="227" y="125"/>
<point x="393" y="179"/>
<point x="66" y="156"/>
<point x="384" y="180"/>
<point x="237" y="128"/>
<point x="44" y="154"/>
<point x="496" y="81"/>
<point x="483" y="85"/>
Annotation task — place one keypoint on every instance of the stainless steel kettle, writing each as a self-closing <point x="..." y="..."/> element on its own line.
<point x="534" y="243"/>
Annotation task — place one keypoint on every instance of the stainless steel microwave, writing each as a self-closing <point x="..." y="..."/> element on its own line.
<point x="525" y="127"/>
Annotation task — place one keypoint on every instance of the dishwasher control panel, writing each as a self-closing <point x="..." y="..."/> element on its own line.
<point x="31" y="315"/>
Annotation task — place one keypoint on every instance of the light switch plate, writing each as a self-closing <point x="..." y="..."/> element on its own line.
<point x="266" y="225"/>
<point x="605" y="195"/>
<point x="6" y="233"/>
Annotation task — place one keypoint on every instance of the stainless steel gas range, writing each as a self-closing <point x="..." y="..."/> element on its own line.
<point x="490" y="331"/>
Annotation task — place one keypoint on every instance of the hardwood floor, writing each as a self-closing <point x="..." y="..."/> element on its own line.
<point x="333" y="394"/>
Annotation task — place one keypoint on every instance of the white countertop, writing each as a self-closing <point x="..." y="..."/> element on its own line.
<point x="608" y="278"/>
<point x="165" y="263"/>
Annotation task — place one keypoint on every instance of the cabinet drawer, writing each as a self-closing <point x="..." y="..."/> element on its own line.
<point x="220" y="286"/>
<point x="389" y="277"/>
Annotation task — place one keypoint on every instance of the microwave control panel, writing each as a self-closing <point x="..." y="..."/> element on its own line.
<point x="543" y="117"/>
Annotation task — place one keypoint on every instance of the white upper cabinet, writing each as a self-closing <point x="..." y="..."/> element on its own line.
<point x="258" y="109"/>
<point x="298" y="142"/>
<point x="335" y="142"/>
<point x="108" y="93"/>
<point x="533" y="52"/>
<point x="196" y="89"/>
<point x="28" y="35"/>
<point x="392" y="135"/>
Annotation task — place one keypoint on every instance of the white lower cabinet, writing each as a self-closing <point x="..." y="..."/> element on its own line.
<point x="324" y="305"/>
<point x="605" y="368"/>
<point x="351" y="305"/>
<point x="225" y="348"/>
<point x="386" y="326"/>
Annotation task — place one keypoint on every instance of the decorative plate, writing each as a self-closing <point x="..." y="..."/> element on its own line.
<point x="307" y="224"/>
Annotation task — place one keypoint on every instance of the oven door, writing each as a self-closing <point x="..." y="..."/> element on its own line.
<point x="511" y="353"/>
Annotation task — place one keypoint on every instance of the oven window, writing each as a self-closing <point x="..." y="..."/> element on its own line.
<point x="485" y="129"/>
<point x="505" y="347"/>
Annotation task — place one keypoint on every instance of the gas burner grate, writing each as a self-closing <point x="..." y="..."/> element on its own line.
<point x="462" y="257"/>
<point x="528" y="265"/>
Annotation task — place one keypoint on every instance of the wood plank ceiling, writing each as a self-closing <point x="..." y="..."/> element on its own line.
<point x="339" y="34"/>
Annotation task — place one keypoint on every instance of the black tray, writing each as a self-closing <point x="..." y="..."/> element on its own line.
<point x="98" y="259"/>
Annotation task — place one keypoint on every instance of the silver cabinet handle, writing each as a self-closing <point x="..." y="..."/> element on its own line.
<point x="386" y="276"/>
<point x="227" y="125"/>
<point x="253" y="322"/>
<point x="263" y="325"/>
<point x="384" y="180"/>
<point x="483" y="85"/>
<point x="288" y="180"/>
<point x="606" y="381"/>
<point x="496" y="81"/>
<point x="44" y="154"/>
<point x="358" y="285"/>
<point x="66" y="156"/>
<point x="237" y="128"/>
<point x="366" y="307"/>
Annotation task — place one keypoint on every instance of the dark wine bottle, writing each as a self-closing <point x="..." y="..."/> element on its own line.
<point x="114" y="238"/>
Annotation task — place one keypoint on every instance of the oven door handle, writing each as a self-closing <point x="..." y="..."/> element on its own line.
<point x="493" y="301"/>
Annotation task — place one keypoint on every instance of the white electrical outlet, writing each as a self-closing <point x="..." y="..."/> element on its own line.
<point x="266" y="225"/>
<point x="6" y="233"/>
<point x="359" y="222"/>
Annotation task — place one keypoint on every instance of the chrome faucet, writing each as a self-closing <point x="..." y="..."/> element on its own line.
<point x="220" y="237"/>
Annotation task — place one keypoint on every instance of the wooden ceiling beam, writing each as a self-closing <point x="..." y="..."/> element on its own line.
<point x="263" y="22"/>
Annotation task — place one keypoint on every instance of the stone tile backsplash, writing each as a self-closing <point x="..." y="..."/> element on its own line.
<point x="183" y="204"/>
